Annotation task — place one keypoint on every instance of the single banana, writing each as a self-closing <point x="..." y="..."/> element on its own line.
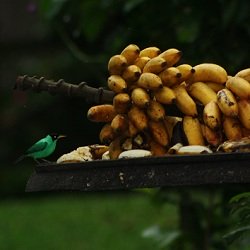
<point x="184" y="101"/>
<point x="170" y="76"/>
<point x="192" y="130"/>
<point x="227" y="103"/>
<point x="140" y="97"/>
<point x="117" y="84"/>
<point x="132" y="129"/>
<point x="212" y="115"/>
<point x="165" y="95"/>
<point x="131" y="53"/>
<point x="172" y="56"/>
<point x="201" y="92"/>
<point x="186" y="71"/>
<point x="115" y="148"/>
<point x="155" y="65"/>
<point x="150" y="81"/>
<point x="157" y="149"/>
<point x="131" y="73"/>
<point x="244" y="112"/>
<point x="158" y="132"/>
<point x="150" y="52"/>
<point x="119" y="123"/>
<point x="141" y="62"/>
<point x="215" y="86"/>
<point x="209" y="72"/>
<point x="213" y="138"/>
<point x="239" y="86"/>
<point x="245" y="74"/>
<point x="107" y="135"/>
<point x="101" y="113"/>
<point x="138" y="117"/>
<point x="121" y="103"/>
<point x="117" y="64"/>
<point x="155" y="111"/>
<point x="232" y="128"/>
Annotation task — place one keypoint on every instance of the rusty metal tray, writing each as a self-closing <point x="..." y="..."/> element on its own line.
<point x="176" y="170"/>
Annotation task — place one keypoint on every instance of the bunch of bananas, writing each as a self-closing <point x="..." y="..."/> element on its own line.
<point x="215" y="107"/>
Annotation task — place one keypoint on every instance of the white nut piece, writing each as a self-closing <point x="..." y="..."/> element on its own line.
<point x="106" y="156"/>
<point x="194" y="149"/>
<point x="135" y="153"/>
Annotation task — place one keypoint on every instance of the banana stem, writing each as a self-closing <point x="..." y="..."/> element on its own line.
<point x="82" y="90"/>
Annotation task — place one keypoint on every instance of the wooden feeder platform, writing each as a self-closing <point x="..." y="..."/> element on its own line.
<point x="152" y="172"/>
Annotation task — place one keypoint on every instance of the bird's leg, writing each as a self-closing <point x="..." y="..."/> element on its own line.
<point x="46" y="161"/>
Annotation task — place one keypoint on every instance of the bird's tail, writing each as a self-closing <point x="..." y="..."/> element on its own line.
<point x="19" y="159"/>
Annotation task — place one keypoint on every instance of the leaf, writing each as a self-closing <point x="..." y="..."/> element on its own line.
<point x="163" y="238"/>
<point x="51" y="8"/>
<point x="240" y="196"/>
<point x="234" y="235"/>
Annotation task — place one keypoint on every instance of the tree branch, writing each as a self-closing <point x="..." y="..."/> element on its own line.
<point x="90" y="94"/>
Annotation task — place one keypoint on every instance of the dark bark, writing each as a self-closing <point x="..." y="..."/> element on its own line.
<point x="82" y="90"/>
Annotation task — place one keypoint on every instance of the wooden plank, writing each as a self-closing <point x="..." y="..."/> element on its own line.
<point x="207" y="169"/>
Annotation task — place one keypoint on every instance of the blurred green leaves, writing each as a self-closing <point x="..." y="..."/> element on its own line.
<point x="216" y="31"/>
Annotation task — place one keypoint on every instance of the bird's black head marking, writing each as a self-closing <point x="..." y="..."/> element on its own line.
<point x="55" y="136"/>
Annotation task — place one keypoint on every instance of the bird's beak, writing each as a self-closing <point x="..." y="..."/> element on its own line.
<point x="61" y="136"/>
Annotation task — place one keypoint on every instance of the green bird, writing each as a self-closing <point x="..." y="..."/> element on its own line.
<point x="42" y="148"/>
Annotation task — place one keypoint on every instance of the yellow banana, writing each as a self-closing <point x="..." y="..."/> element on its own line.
<point x="157" y="149"/>
<point x="132" y="129"/>
<point x="244" y="73"/>
<point x="192" y="130"/>
<point x="172" y="56"/>
<point x="209" y="72"/>
<point x="244" y="112"/>
<point x="213" y="138"/>
<point x="131" y="52"/>
<point x="150" y="81"/>
<point x="227" y="103"/>
<point x="131" y="73"/>
<point x="186" y="71"/>
<point x="201" y="92"/>
<point x="165" y="95"/>
<point x="101" y="113"/>
<point x="138" y="117"/>
<point x="119" y="123"/>
<point x="170" y="76"/>
<point x="117" y="64"/>
<point x="107" y="135"/>
<point x="158" y="132"/>
<point x="121" y="103"/>
<point x="115" y="148"/>
<point x="232" y="128"/>
<point x="155" y="65"/>
<point x="215" y="86"/>
<point x="140" y="97"/>
<point x="239" y="86"/>
<point x="212" y="115"/>
<point x="155" y="111"/>
<point x="150" y="52"/>
<point x="141" y="61"/>
<point x="184" y="101"/>
<point x="117" y="84"/>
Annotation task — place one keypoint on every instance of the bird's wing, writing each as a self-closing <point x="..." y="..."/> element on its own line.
<point x="38" y="146"/>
